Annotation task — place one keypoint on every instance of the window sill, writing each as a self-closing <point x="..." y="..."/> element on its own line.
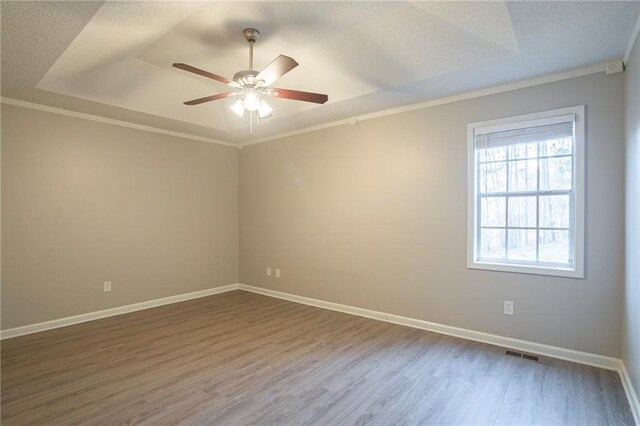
<point x="525" y="269"/>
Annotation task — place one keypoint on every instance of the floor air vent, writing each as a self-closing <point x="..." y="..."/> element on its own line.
<point x="535" y="358"/>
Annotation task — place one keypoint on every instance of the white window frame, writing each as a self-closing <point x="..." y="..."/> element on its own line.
<point x="577" y="220"/>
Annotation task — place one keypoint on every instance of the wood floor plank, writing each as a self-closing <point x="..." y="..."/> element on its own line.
<point x="242" y="358"/>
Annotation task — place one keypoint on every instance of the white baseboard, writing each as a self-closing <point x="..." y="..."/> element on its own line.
<point x="523" y="345"/>
<point x="493" y="339"/>
<point x="90" y="316"/>
<point x="631" y="394"/>
<point x="595" y="360"/>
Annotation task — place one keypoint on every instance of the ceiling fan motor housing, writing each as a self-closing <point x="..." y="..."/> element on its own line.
<point x="246" y="77"/>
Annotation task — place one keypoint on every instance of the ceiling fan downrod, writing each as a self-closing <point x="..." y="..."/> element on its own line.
<point x="251" y="35"/>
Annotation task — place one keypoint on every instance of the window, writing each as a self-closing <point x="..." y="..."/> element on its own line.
<point x="526" y="194"/>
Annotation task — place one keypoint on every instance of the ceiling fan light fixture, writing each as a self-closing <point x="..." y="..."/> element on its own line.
<point x="238" y="107"/>
<point x="251" y="100"/>
<point x="253" y="85"/>
<point x="264" y="110"/>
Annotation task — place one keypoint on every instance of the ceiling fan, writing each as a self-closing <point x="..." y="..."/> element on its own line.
<point x="252" y="86"/>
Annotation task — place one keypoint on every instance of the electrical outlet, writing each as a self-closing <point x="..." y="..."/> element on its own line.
<point x="508" y="307"/>
<point x="107" y="286"/>
<point x="268" y="271"/>
<point x="277" y="273"/>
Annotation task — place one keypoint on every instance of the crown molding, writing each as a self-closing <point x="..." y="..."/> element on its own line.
<point x="100" y="119"/>
<point x="507" y="87"/>
<point x="521" y="84"/>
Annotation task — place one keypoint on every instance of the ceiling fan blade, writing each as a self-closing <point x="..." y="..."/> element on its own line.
<point x="210" y="98"/>
<point x="206" y="74"/>
<point x="298" y="96"/>
<point x="276" y="69"/>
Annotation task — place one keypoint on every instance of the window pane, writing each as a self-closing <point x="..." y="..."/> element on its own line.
<point x="523" y="175"/>
<point x="493" y="177"/>
<point x="556" y="147"/>
<point x="493" y="211"/>
<point x="522" y="245"/>
<point x="554" y="211"/>
<point x="492" y="154"/>
<point x="492" y="243"/>
<point x="554" y="246"/>
<point x="522" y="211"/>
<point x="523" y="150"/>
<point x="555" y="173"/>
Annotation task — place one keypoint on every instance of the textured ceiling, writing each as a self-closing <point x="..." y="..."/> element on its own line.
<point x="114" y="58"/>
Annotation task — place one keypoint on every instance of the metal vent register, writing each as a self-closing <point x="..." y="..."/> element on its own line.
<point x="535" y="358"/>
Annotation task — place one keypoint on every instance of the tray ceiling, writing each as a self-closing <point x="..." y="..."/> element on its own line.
<point x="365" y="56"/>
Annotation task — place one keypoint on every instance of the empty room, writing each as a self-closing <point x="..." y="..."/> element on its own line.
<point x="320" y="212"/>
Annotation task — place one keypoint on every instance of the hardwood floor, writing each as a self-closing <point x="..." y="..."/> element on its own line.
<point x="242" y="358"/>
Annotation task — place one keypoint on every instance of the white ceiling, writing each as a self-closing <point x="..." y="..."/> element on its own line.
<point x="114" y="58"/>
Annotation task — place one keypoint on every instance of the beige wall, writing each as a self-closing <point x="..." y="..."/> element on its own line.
<point x="372" y="215"/>
<point x="85" y="202"/>
<point x="375" y="216"/>
<point x="631" y="350"/>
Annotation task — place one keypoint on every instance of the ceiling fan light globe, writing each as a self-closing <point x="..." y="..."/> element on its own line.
<point x="238" y="107"/>
<point x="265" y="110"/>
<point x="251" y="101"/>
